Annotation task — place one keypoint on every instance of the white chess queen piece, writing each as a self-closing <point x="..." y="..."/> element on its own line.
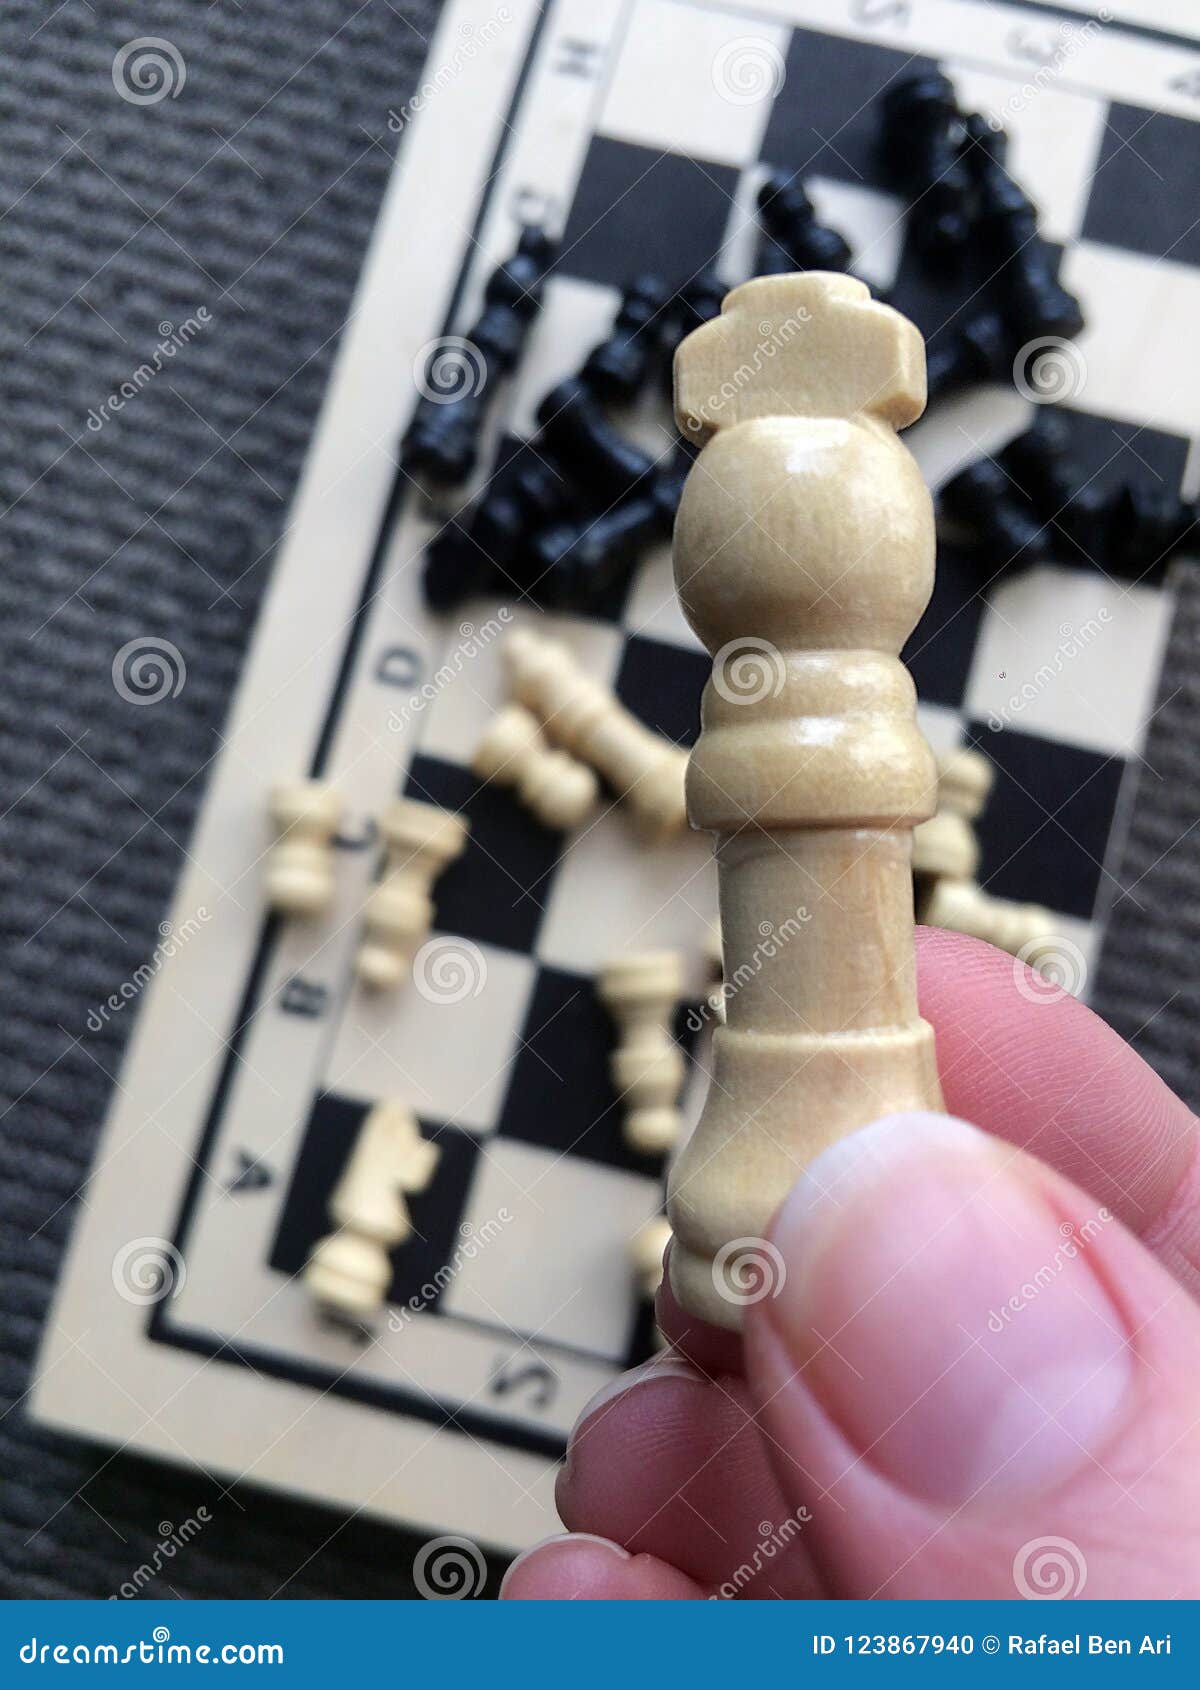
<point x="805" y="536"/>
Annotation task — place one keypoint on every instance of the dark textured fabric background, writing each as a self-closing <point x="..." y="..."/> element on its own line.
<point x="251" y="194"/>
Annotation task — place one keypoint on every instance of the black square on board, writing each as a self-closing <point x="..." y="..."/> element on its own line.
<point x="941" y="648"/>
<point x="561" y="1094"/>
<point x="638" y="210"/>
<point x="1107" y="453"/>
<point x="1045" y="828"/>
<point x="1142" y="193"/>
<point x="826" y="116"/>
<point x="435" y="1212"/>
<point x="662" y="684"/>
<point x="496" y="891"/>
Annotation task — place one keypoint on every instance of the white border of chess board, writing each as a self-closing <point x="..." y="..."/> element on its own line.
<point x="100" y="1374"/>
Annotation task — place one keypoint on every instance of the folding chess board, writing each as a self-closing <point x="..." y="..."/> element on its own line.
<point x="638" y="132"/>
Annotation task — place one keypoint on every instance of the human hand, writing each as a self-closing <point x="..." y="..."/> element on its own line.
<point x="975" y="1341"/>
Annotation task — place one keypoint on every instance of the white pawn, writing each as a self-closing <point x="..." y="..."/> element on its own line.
<point x="349" y="1269"/>
<point x="299" y="867"/>
<point x="561" y="791"/>
<point x="420" y="841"/>
<point x="646" y="1252"/>
<point x="586" y="719"/>
<point x="1024" y="930"/>
<point x="945" y="846"/>
<point x="641" y="993"/>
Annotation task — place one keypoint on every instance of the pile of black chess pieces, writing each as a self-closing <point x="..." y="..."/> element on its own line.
<point x="565" y="517"/>
<point x="1029" y="503"/>
<point x="965" y="209"/>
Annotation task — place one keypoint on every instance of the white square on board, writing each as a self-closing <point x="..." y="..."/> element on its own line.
<point x="1054" y="136"/>
<point x="465" y="705"/>
<point x="963" y="427"/>
<point x="1070" y="655"/>
<point x="696" y="82"/>
<point x="575" y="316"/>
<point x="559" y="1270"/>
<point x="872" y="223"/>
<point x="444" y="1043"/>
<point x="1139" y="356"/>
<point x="941" y="726"/>
<point x="614" y="893"/>
<point x="653" y="607"/>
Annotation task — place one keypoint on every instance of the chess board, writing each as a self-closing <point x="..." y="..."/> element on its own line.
<point x="638" y="130"/>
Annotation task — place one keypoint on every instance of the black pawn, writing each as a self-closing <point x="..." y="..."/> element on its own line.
<point x="1036" y="302"/>
<point x="574" y="429"/>
<point x="698" y="302"/>
<point x="1147" y="528"/>
<point x="442" y="443"/>
<point x="982" y="349"/>
<point x="581" y="561"/>
<point x="792" y="237"/>
<point x="617" y="369"/>
<point x="455" y="567"/>
<point x="983" y="499"/>
<point x="1041" y="464"/>
<point x="483" y="551"/>
<point x="922" y="135"/>
<point x="530" y="491"/>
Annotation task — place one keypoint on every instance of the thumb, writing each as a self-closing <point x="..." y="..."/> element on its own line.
<point x="975" y="1381"/>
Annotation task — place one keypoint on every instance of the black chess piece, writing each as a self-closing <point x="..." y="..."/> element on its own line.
<point x="617" y="369"/>
<point x="482" y="551"/>
<point x="1004" y="523"/>
<point x="575" y="431"/>
<point x="455" y="567"/>
<point x="1026" y="270"/>
<point x="981" y="349"/>
<point x="1147" y="527"/>
<point x="697" y="302"/>
<point x="921" y="151"/>
<point x="443" y="440"/>
<point x="531" y="490"/>
<point x="580" y="561"/>
<point x="1040" y="462"/>
<point x="792" y="238"/>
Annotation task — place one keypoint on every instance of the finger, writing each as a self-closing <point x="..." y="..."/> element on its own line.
<point x="711" y="1349"/>
<point x="972" y="1355"/>
<point x="1041" y="1070"/>
<point x="1047" y="1074"/>
<point x="669" y="1461"/>
<point x="572" y="1569"/>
